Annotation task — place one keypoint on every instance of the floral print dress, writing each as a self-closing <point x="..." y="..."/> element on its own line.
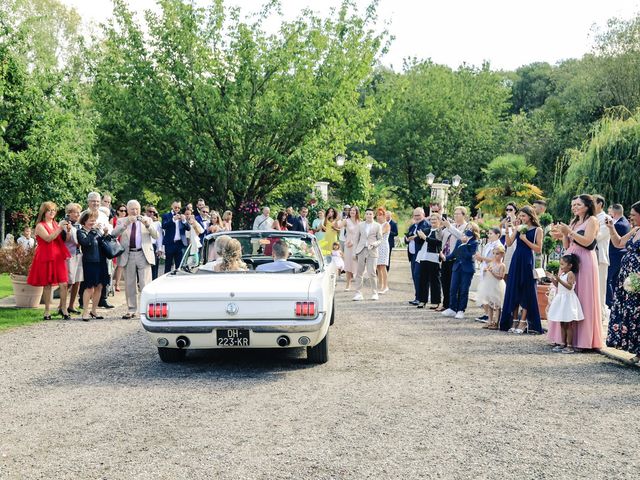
<point x="624" y="323"/>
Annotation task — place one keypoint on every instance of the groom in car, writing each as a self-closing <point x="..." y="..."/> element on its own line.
<point x="280" y="253"/>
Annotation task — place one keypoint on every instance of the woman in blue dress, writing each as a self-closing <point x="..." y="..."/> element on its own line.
<point x="521" y="294"/>
<point x="624" y="323"/>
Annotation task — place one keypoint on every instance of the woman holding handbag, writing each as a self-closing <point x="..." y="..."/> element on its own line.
<point x="429" y="258"/>
<point x="94" y="264"/>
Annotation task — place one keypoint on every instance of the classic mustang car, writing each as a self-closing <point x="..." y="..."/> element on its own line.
<point x="197" y="307"/>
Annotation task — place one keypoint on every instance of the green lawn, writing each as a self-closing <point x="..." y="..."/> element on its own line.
<point x="15" y="317"/>
<point x="6" y="288"/>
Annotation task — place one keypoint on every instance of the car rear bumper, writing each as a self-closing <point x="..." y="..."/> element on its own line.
<point x="263" y="334"/>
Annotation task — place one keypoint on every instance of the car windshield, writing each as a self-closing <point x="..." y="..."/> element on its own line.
<point x="256" y="249"/>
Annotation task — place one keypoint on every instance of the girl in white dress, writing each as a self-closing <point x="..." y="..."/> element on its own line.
<point x="336" y="257"/>
<point x="492" y="287"/>
<point x="565" y="306"/>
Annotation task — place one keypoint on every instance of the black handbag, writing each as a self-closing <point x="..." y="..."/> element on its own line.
<point x="593" y="244"/>
<point x="110" y="246"/>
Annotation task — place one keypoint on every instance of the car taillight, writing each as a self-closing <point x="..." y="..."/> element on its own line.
<point x="158" y="310"/>
<point x="305" y="309"/>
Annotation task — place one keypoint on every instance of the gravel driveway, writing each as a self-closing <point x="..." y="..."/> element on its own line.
<point x="406" y="394"/>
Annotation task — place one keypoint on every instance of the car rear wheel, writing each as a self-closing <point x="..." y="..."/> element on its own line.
<point x="171" y="355"/>
<point x="319" y="353"/>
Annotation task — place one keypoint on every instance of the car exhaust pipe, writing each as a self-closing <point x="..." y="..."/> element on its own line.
<point x="182" y="342"/>
<point x="283" y="340"/>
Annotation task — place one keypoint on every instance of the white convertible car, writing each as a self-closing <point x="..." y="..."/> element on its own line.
<point x="195" y="307"/>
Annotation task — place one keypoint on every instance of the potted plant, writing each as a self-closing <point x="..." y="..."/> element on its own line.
<point x="16" y="261"/>
<point x="544" y="289"/>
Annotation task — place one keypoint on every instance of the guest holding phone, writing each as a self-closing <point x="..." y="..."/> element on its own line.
<point x="49" y="265"/>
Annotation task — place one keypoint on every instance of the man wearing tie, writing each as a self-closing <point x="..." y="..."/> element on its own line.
<point x="366" y="252"/>
<point x="136" y="232"/>
<point x="414" y="244"/>
<point x="174" y="225"/>
<point x="622" y="226"/>
<point x="301" y="223"/>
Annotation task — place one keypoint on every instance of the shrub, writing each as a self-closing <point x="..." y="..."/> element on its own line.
<point x="16" y="260"/>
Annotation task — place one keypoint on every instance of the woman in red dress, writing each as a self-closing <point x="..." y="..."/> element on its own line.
<point x="49" y="265"/>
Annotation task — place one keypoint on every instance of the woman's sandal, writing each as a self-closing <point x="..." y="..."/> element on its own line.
<point x="47" y="317"/>
<point x="568" y="349"/>
<point x="523" y="327"/>
<point x="97" y="317"/>
<point x="635" y="360"/>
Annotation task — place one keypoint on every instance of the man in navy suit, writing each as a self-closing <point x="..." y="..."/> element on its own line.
<point x="298" y="223"/>
<point x="622" y="226"/>
<point x="414" y="244"/>
<point x="393" y="233"/>
<point x="174" y="225"/>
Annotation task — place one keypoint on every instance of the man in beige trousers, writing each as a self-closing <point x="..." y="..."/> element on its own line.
<point x="368" y="238"/>
<point x="136" y="232"/>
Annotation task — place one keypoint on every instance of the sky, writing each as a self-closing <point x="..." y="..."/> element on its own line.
<point x="507" y="33"/>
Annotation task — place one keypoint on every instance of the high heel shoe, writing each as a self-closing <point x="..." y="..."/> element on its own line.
<point x="523" y="327"/>
<point x="65" y="316"/>
<point x="97" y="317"/>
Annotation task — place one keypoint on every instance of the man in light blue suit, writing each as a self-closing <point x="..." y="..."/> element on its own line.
<point x="280" y="253"/>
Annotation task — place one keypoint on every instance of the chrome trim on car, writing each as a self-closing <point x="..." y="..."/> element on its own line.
<point x="258" y="326"/>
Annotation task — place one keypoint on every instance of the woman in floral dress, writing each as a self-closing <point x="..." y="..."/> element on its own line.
<point x="624" y="323"/>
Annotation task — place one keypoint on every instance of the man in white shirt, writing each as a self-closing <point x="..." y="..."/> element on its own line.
<point x="263" y="221"/>
<point x="603" y="239"/>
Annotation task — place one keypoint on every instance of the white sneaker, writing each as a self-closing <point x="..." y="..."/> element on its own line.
<point x="384" y="291"/>
<point x="448" y="313"/>
<point x="459" y="315"/>
<point x="357" y="297"/>
<point x="374" y="296"/>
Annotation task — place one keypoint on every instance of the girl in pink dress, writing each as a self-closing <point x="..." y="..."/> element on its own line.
<point x="579" y="238"/>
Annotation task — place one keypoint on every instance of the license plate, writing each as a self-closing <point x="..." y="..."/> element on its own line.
<point x="232" y="337"/>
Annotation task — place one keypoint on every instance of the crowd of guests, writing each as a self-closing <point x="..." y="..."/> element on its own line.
<point x="70" y="254"/>
<point x="359" y="243"/>
<point x="600" y="252"/>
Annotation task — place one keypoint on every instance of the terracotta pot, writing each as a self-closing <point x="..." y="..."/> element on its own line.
<point x="543" y="299"/>
<point x="26" y="295"/>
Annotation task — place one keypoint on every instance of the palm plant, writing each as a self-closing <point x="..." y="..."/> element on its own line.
<point x="507" y="179"/>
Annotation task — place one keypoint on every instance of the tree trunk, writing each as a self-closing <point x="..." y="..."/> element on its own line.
<point x="1" y="224"/>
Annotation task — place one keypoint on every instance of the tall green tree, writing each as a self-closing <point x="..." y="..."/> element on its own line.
<point x="46" y="127"/>
<point x="441" y="121"/>
<point x="608" y="165"/>
<point x="206" y="103"/>
<point x="507" y="179"/>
